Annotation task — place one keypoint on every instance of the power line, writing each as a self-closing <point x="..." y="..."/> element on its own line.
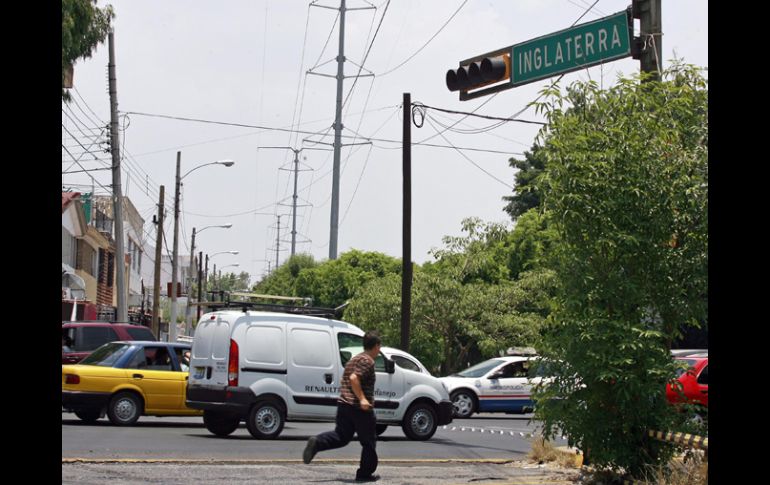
<point x="478" y="116"/>
<point x="179" y="118"/>
<point x="471" y="161"/>
<point x="429" y="40"/>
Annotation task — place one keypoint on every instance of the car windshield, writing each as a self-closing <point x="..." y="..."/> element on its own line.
<point x="106" y="355"/>
<point x="479" y="370"/>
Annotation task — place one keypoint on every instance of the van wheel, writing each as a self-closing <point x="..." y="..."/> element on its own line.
<point x="463" y="403"/>
<point x="220" y="424"/>
<point x="124" y="409"/>
<point x="88" y="415"/>
<point x="381" y="428"/>
<point x="420" y="422"/>
<point x="266" y="419"/>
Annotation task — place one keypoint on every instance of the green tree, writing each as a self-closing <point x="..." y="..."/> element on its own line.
<point x="531" y="242"/>
<point x="84" y="26"/>
<point x="230" y="282"/>
<point x="330" y="283"/>
<point x="526" y="193"/>
<point x="478" y="256"/>
<point x="626" y="182"/>
<point x="282" y="281"/>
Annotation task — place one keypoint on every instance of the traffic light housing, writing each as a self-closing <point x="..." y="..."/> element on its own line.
<point x="479" y="73"/>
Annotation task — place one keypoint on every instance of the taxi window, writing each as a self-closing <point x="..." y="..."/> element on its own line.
<point x="479" y="370"/>
<point x="514" y="369"/>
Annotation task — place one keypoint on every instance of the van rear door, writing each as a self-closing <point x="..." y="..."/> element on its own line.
<point x="210" y="350"/>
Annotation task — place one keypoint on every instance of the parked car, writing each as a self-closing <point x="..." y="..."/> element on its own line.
<point x="692" y="381"/>
<point x="502" y="384"/>
<point x="81" y="338"/>
<point x="405" y="360"/>
<point x="126" y="380"/>
<point x="271" y="368"/>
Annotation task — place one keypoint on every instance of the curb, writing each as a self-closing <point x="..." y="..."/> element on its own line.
<point x="183" y="461"/>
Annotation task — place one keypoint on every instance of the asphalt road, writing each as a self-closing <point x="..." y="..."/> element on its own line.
<point x="482" y="437"/>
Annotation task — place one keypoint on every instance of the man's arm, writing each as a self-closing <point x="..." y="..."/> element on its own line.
<point x="355" y="384"/>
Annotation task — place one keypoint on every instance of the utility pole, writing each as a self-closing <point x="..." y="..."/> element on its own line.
<point x="335" y="210"/>
<point x="190" y="279"/>
<point x="117" y="197"/>
<point x="200" y="283"/>
<point x="651" y="31"/>
<point x="406" y="271"/>
<point x="158" y="256"/>
<point x="174" y="280"/>
<point x="294" y="205"/>
<point x="295" y="196"/>
<point x="335" y="205"/>
<point x="206" y="278"/>
<point x="277" y="241"/>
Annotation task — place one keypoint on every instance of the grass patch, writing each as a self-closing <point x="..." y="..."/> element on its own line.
<point x="543" y="451"/>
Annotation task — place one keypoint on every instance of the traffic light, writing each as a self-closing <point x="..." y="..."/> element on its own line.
<point x="479" y="73"/>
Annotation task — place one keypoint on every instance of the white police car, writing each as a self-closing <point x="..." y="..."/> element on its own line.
<point x="501" y="384"/>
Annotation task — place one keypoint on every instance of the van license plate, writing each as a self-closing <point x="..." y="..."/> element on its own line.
<point x="199" y="371"/>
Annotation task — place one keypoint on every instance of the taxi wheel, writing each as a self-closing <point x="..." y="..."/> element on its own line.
<point x="220" y="424"/>
<point x="463" y="403"/>
<point x="88" y="415"/>
<point x="266" y="419"/>
<point x="420" y="422"/>
<point x="124" y="409"/>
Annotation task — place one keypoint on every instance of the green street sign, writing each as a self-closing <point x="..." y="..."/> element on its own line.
<point x="589" y="44"/>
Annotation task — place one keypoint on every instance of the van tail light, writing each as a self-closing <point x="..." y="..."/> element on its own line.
<point x="71" y="379"/>
<point x="232" y="366"/>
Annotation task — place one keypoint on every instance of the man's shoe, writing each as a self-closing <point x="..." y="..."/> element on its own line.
<point x="310" y="451"/>
<point x="370" y="478"/>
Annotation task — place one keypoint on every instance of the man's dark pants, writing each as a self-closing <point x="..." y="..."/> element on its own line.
<point x="352" y="419"/>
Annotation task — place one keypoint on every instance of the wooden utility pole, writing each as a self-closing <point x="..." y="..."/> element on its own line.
<point x="406" y="272"/>
<point x="651" y="31"/>
<point x="117" y="197"/>
<point x="158" y="256"/>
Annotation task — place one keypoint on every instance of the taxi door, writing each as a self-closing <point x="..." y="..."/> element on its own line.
<point x="507" y="389"/>
<point x="152" y="370"/>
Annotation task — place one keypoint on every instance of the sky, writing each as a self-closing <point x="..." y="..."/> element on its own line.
<point x="246" y="63"/>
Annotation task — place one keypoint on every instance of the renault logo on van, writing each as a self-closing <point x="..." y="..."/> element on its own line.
<point x="327" y="389"/>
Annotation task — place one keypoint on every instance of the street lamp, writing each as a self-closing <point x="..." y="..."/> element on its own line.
<point x="174" y="280"/>
<point x="187" y="316"/>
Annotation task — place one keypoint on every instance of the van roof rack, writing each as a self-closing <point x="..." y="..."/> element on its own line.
<point x="275" y="307"/>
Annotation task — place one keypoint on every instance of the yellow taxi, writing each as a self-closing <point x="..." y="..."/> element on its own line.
<point x="128" y="379"/>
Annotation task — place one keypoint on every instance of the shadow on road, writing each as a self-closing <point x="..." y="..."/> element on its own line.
<point x="139" y="424"/>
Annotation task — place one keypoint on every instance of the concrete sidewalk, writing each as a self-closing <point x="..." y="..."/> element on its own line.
<point x="477" y="472"/>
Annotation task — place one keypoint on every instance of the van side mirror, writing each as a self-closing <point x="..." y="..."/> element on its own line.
<point x="390" y="366"/>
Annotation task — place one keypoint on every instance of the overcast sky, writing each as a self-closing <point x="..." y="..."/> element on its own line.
<point x="245" y="62"/>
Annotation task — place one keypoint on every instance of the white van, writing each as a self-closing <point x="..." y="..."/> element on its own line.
<point x="269" y="368"/>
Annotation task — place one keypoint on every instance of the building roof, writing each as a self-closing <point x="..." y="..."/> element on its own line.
<point x="67" y="198"/>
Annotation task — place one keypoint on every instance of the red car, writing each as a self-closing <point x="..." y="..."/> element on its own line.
<point x="79" y="339"/>
<point x="694" y="381"/>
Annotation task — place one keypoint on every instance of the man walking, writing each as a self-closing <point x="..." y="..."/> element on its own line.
<point x="355" y="412"/>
